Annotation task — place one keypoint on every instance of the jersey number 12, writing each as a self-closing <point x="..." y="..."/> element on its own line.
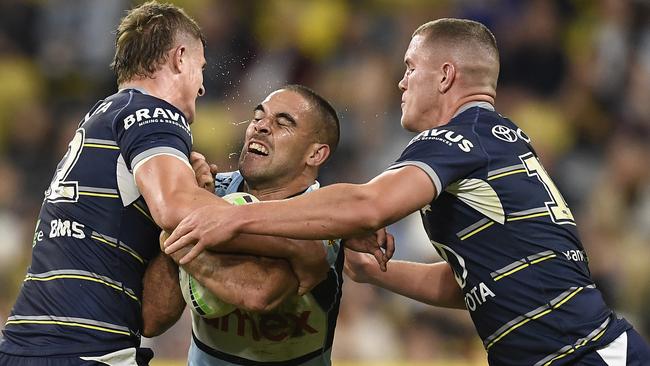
<point x="60" y="189"/>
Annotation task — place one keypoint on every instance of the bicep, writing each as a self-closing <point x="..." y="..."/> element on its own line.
<point x="170" y="190"/>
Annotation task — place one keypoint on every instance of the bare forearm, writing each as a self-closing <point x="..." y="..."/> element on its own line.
<point x="336" y="211"/>
<point x="271" y="246"/>
<point x="252" y="283"/>
<point x="162" y="300"/>
<point x="433" y="283"/>
<point x="340" y="210"/>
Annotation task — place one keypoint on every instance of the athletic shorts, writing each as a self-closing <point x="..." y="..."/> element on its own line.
<point x="125" y="357"/>
<point x="629" y="349"/>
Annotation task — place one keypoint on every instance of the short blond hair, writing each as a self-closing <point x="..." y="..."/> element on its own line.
<point x="145" y="35"/>
<point x="460" y="32"/>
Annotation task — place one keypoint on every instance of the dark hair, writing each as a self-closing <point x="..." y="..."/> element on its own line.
<point x="330" y="129"/>
<point x="460" y="32"/>
<point x="145" y="36"/>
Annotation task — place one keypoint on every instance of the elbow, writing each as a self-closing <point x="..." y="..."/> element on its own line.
<point x="152" y="328"/>
<point x="165" y="214"/>
<point x="151" y="331"/>
<point x="169" y="208"/>
<point x="261" y="302"/>
<point x="166" y="221"/>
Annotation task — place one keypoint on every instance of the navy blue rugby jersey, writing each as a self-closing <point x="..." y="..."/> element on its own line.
<point x="299" y="332"/>
<point x="511" y="240"/>
<point x="94" y="235"/>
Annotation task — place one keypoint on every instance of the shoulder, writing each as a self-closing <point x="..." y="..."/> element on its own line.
<point x="142" y="108"/>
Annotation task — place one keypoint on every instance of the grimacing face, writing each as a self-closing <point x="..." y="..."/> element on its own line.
<point x="418" y="86"/>
<point x="277" y="140"/>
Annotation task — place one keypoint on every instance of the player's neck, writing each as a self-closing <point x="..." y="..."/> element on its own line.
<point x="158" y="86"/>
<point x="278" y="191"/>
<point x="454" y="106"/>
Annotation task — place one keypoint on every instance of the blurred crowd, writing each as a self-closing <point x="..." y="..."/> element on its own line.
<point x="575" y="76"/>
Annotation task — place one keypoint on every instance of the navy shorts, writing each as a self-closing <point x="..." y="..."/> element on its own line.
<point x="131" y="357"/>
<point x="629" y="349"/>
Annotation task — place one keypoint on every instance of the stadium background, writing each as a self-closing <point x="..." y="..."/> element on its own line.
<point x="575" y="76"/>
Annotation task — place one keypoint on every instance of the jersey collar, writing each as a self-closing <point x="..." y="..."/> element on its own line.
<point x="466" y="106"/>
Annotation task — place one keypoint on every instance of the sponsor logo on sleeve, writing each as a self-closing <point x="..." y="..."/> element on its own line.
<point x="507" y="134"/>
<point x="448" y="137"/>
<point x="145" y="116"/>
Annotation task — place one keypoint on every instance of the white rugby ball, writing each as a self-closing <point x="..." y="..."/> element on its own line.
<point x="198" y="298"/>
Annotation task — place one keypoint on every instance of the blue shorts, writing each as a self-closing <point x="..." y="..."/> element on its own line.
<point x="629" y="349"/>
<point x="125" y="357"/>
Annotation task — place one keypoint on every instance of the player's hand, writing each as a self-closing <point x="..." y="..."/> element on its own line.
<point x="203" y="171"/>
<point x="381" y="245"/>
<point x="358" y="266"/>
<point x="207" y="226"/>
<point x="161" y="241"/>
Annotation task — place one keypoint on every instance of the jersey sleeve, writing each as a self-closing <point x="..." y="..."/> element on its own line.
<point x="152" y="129"/>
<point x="445" y="155"/>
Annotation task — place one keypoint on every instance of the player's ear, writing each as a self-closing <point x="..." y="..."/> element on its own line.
<point x="318" y="153"/>
<point x="178" y="55"/>
<point x="448" y="77"/>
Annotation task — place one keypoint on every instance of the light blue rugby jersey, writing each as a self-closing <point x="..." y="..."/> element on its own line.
<point x="509" y="236"/>
<point x="300" y="332"/>
<point x="94" y="235"/>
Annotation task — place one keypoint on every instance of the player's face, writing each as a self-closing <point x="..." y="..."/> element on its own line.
<point x="193" y="81"/>
<point x="276" y="146"/>
<point x="418" y="86"/>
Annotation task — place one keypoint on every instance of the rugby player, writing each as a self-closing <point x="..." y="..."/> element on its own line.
<point x="125" y="176"/>
<point x="488" y="206"/>
<point x="292" y="133"/>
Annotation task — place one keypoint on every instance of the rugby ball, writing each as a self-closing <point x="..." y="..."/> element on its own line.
<point x="201" y="301"/>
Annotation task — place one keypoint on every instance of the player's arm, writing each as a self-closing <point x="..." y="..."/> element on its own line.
<point x="162" y="299"/>
<point x="257" y="284"/>
<point x="430" y="283"/>
<point x="170" y="189"/>
<point x="339" y="210"/>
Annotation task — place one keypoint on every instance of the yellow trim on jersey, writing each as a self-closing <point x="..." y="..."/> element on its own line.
<point x="107" y="195"/>
<point x="101" y="146"/>
<point x="570" y="351"/>
<point x="560" y="356"/>
<point x="518" y="268"/>
<point x="528" y="216"/>
<point x="506" y="174"/>
<point x="71" y="324"/>
<point x="80" y="277"/>
<point x="543" y="258"/>
<point x="481" y="228"/>
<point x="537" y="316"/>
<point x="599" y="335"/>
<point x="142" y="211"/>
<point x="114" y="245"/>
<point x="568" y="297"/>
